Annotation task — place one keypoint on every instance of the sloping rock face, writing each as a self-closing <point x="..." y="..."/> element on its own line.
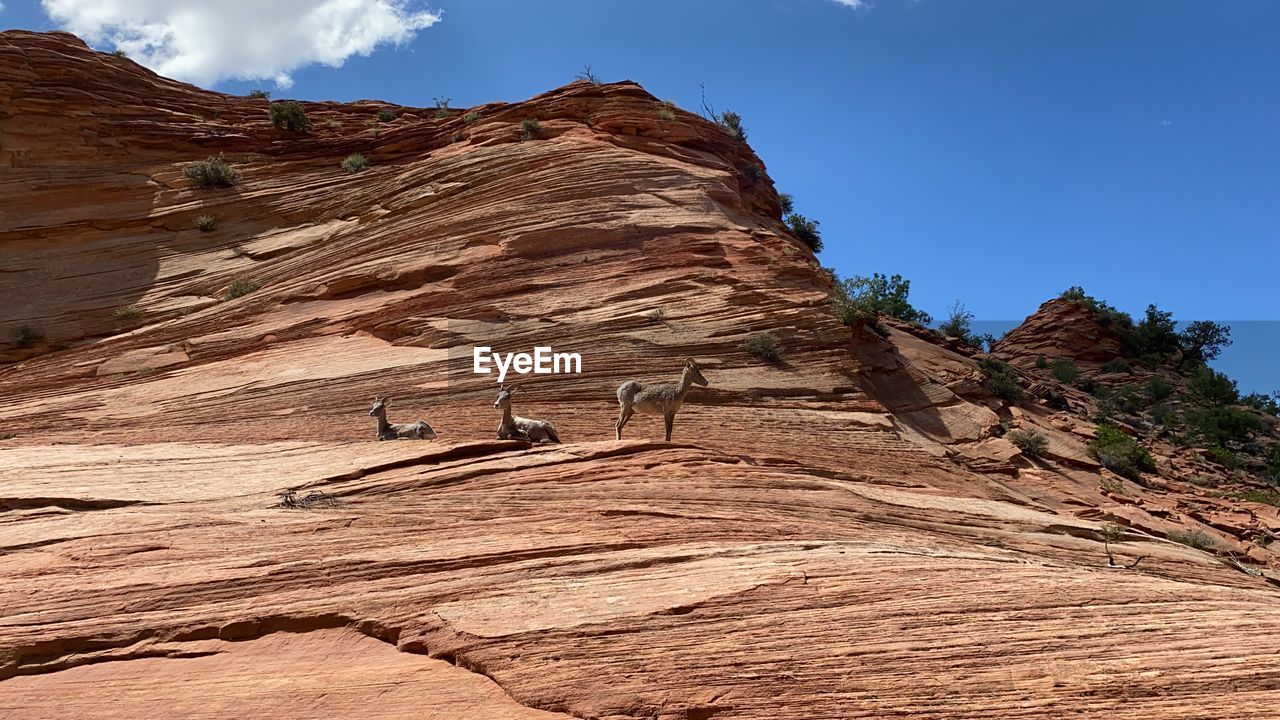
<point x="1060" y="328"/>
<point x="841" y="534"/>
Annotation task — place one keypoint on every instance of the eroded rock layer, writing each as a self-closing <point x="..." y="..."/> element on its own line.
<point x="841" y="534"/>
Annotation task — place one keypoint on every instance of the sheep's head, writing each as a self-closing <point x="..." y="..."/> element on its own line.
<point x="379" y="405"/>
<point x="695" y="373"/>
<point x="504" y="396"/>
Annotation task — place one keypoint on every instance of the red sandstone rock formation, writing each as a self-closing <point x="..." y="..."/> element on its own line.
<point x="839" y="535"/>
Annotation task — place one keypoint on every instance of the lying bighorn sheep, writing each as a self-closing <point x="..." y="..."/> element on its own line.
<point x="518" y="428"/>
<point x="397" y="431"/>
<point x="664" y="399"/>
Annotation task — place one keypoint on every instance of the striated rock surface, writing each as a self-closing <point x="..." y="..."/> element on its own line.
<point x="1061" y="328"/>
<point x="843" y="534"/>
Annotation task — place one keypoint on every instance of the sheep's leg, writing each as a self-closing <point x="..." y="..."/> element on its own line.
<point x="624" y="414"/>
<point x="669" y="419"/>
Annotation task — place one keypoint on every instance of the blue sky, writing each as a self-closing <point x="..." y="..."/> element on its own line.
<point x="992" y="151"/>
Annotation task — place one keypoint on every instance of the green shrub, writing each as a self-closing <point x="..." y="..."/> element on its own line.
<point x="1155" y="335"/>
<point x="1269" y="404"/>
<point x="1158" y="389"/>
<point x="1225" y="457"/>
<point x="1064" y="369"/>
<point x="205" y="223"/>
<point x="1001" y="380"/>
<point x="240" y="287"/>
<point x="787" y="203"/>
<point x="1118" y="365"/>
<point x="1210" y="387"/>
<point x="355" y="162"/>
<point x="1218" y="425"/>
<point x="8" y="436"/>
<point x="1041" y="362"/>
<point x="442" y="108"/>
<point x="119" y="53"/>
<point x="959" y="324"/>
<point x="752" y="172"/>
<point x="805" y="230"/>
<point x="1193" y="538"/>
<point x="259" y="94"/>
<point x="764" y="346"/>
<point x="1128" y="399"/>
<point x="1031" y="442"/>
<point x="1111" y="532"/>
<point x="25" y="335"/>
<point x="386" y="115"/>
<point x="1203" y="341"/>
<point x="1266" y="497"/>
<point x="860" y="299"/>
<point x="471" y="117"/>
<point x="289" y="115"/>
<point x="731" y="122"/>
<point x="1103" y="314"/>
<point x="129" y="312"/>
<point x="213" y="172"/>
<point x="1120" y="453"/>
<point x="530" y="129"/>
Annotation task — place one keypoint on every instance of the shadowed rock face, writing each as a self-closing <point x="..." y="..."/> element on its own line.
<point x="840" y="535"/>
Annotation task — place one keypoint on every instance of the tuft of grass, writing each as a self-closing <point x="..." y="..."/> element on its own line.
<point x="458" y="137"/>
<point x="1031" y="442"/>
<point x="764" y="346"/>
<point x="355" y="162"/>
<point x="386" y="115"/>
<point x="1197" y="539"/>
<point x="530" y="129"/>
<point x="1266" y="497"/>
<point x="289" y="115"/>
<point x="442" y="108"/>
<point x="25" y="336"/>
<point x="656" y="314"/>
<point x="205" y="223"/>
<point x="1111" y="486"/>
<point x="471" y="117"/>
<point x="213" y="172"/>
<point x="666" y="114"/>
<point x="8" y="436"/>
<point x="240" y="287"/>
<point x="128" y="312"/>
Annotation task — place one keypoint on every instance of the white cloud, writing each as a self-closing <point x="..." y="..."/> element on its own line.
<point x="851" y="3"/>
<point x="204" y="42"/>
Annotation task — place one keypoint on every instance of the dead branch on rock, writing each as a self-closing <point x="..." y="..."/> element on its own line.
<point x="289" y="499"/>
<point x="1111" y="559"/>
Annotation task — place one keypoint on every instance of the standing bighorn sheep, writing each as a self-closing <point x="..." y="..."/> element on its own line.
<point x="399" y="431"/>
<point x="664" y="399"/>
<point x="518" y="428"/>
